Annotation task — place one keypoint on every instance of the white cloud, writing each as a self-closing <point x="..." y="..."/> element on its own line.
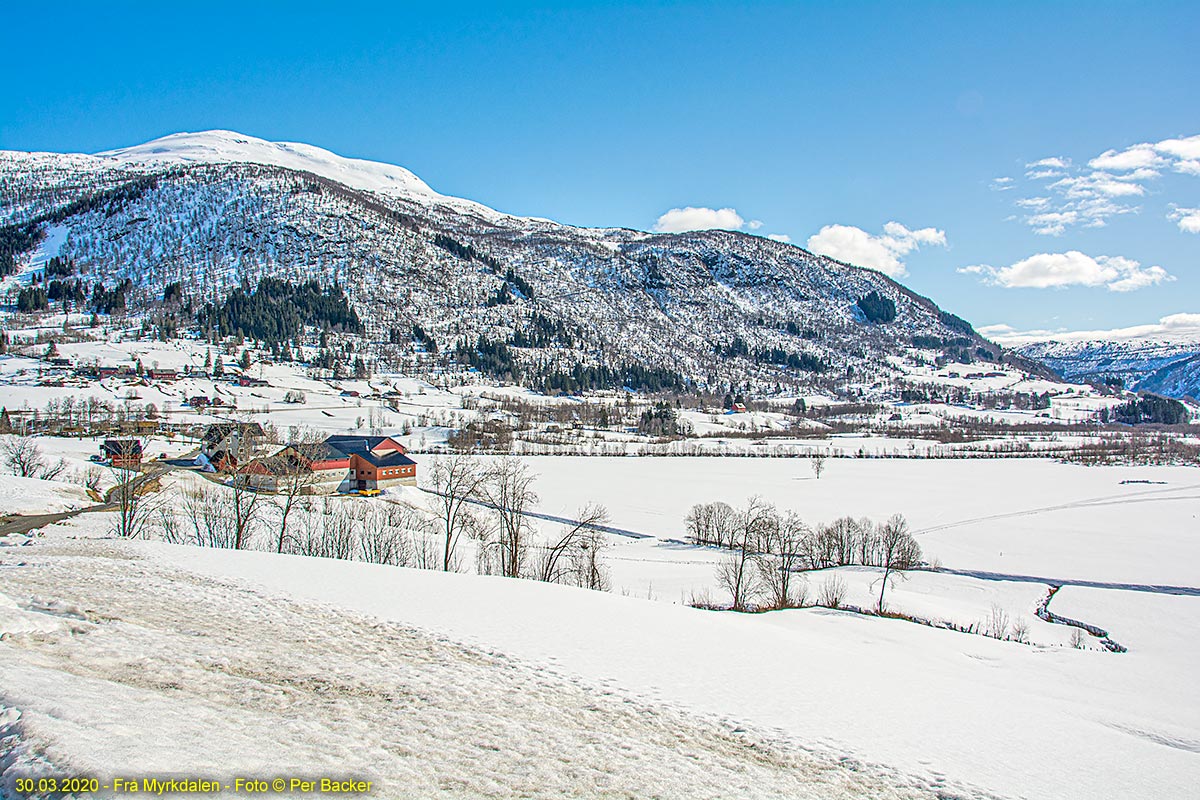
<point x="1174" y="327"/>
<point x="1186" y="148"/>
<point x="1112" y="181"/>
<point x="699" y="219"/>
<point x="1135" y="157"/>
<point x="1098" y="183"/>
<point x="1188" y="219"/>
<point x="1001" y="184"/>
<point x="754" y="224"/>
<point x="856" y="246"/>
<point x="1052" y="163"/>
<point x="1052" y="223"/>
<point x="1072" y="268"/>
<point x="779" y="237"/>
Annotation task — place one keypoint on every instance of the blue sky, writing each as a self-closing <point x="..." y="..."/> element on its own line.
<point x="815" y="120"/>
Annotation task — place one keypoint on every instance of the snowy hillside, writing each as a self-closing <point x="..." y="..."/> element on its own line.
<point x="211" y="209"/>
<point x="1169" y="367"/>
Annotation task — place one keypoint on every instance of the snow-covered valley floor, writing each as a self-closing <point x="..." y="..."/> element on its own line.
<point x="142" y="657"/>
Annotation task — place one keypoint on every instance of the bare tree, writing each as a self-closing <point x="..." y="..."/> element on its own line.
<point x="508" y="489"/>
<point x="563" y="558"/>
<point x="897" y="550"/>
<point x="833" y="592"/>
<point x="710" y="524"/>
<point x="455" y="482"/>
<point x="339" y="539"/>
<point x="22" y="456"/>
<point x="246" y="504"/>
<point x="837" y="542"/>
<point x="997" y="624"/>
<point x="817" y="462"/>
<point x="296" y="478"/>
<point x="385" y="540"/>
<point x="134" y="509"/>
<point x="737" y="573"/>
<point x="205" y="508"/>
<point x="785" y="543"/>
<point x="92" y="477"/>
<point x="586" y="558"/>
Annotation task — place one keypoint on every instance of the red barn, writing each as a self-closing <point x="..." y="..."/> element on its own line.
<point x="379" y="471"/>
<point x="122" y="453"/>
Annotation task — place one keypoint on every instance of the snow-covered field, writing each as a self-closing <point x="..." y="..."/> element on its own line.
<point x="34" y="496"/>
<point x="464" y="685"/>
<point x="1021" y="516"/>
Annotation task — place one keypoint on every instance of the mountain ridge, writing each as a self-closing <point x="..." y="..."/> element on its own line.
<point x="715" y="306"/>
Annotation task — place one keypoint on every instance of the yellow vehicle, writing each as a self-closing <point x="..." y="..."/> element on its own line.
<point x="368" y="492"/>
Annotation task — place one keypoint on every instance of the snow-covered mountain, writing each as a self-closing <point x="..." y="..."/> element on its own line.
<point x="1168" y="366"/>
<point x="229" y="147"/>
<point x="213" y="209"/>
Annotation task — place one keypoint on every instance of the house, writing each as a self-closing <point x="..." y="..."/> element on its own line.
<point x="375" y="462"/>
<point x="122" y="453"/>
<point x="340" y="463"/>
<point x="370" y="470"/>
<point x="156" y="374"/>
<point x="327" y="466"/>
<point x="59" y="361"/>
<point x="228" y="443"/>
<point x="738" y="408"/>
<point x="199" y="401"/>
<point x="274" y="473"/>
<point x="245" y="380"/>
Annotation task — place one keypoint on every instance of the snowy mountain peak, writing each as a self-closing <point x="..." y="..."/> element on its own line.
<point x="230" y="147"/>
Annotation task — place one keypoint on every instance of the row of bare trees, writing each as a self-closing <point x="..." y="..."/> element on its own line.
<point x="488" y="504"/>
<point x="762" y="528"/>
<point x="768" y="548"/>
<point x="326" y="527"/>
<point x="491" y="504"/>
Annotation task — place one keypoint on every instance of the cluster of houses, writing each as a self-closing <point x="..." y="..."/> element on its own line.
<point x="976" y="375"/>
<point x="341" y="463"/>
<point x="101" y="371"/>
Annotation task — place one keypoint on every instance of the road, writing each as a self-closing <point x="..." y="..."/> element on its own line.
<point x="28" y="522"/>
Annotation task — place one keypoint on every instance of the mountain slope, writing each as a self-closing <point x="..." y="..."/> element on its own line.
<point x="212" y="210"/>
<point x="1167" y="367"/>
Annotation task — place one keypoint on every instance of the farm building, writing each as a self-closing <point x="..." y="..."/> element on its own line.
<point x="122" y="453"/>
<point x="376" y="462"/>
<point x="340" y="463"/>
<point x="227" y="443"/>
<point x="380" y="470"/>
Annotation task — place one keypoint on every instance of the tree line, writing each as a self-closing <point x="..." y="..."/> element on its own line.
<point x="768" y="547"/>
